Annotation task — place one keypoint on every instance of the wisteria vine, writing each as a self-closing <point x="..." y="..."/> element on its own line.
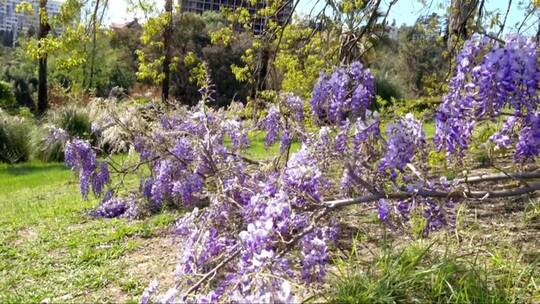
<point x="256" y="231"/>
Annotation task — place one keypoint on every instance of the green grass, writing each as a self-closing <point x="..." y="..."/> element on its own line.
<point x="257" y="149"/>
<point x="50" y="249"/>
<point x="442" y="271"/>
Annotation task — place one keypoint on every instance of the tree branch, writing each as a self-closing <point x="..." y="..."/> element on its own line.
<point x="423" y="192"/>
<point x="498" y="177"/>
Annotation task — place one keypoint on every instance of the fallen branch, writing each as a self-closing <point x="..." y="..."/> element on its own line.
<point x="423" y="192"/>
<point x="331" y="205"/>
<point x="498" y="177"/>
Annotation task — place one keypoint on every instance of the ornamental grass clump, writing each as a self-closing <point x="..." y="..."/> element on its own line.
<point x="49" y="141"/>
<point x="15" y="133"/>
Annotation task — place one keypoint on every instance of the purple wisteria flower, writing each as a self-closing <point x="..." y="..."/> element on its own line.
<point x="295" y="106"/>
<point x="383" y="210"/>
<point x="100" y="178"/>
<point x="405" y="138"/>
<point x="345" y="93"/>
<point x="490" y="77"/>
<point x="163" y="182"/>
<point x="528" y="146"/>
<point x="187" y="190"/>
<point x="271" y="126"/>
<point x="342" y="137"/>
<point x="80" y="157"/>
<point x="113" y="207"/>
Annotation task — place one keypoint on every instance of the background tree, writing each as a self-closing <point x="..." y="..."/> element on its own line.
<point x="167" y="35"/>
<point x="44" y="29"/>
<point x="94" y="35"/>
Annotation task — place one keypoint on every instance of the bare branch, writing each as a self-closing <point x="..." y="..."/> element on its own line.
<point x="501" y="29"/>
<point x="498" y="177"/>
<point x="423" y="192"/>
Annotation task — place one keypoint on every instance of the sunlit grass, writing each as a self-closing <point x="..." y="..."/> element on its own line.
<point x="49" y="247"/>
<point x="421" y="272"/>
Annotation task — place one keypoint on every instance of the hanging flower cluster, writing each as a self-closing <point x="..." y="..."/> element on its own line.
<point x="345" y="93"/>
<point x="80" y="157"/>
<point x="286" y="119"/>
<point x="405" y="139"/>
<point x="492" y="78"/>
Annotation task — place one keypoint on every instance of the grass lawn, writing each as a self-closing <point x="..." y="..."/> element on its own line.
<point x="50" y="249"/>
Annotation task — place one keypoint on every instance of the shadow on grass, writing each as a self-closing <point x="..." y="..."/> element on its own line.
<point x="30" y="168"/>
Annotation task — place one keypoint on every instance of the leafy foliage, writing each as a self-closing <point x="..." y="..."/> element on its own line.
<point x="7" y="98"/>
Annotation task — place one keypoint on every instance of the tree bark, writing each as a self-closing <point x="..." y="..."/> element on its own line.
<point x="44" y="29"/>
<point x="167" y="34"/>
<point x="422" y="192"/>
<point x="459" y="17"/>
<point x="94" y="40"/>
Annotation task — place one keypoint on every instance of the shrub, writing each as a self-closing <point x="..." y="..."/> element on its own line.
<point x="74" y="120"/>
<point x="7" y="98"/>
<point x="386" y="89"/>
<point x="14" y="139"/>
<point x="68" y="121"/>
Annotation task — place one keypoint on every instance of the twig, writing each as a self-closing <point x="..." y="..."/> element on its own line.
<point x="211" y="273"/>
<point x="501" y="29"/>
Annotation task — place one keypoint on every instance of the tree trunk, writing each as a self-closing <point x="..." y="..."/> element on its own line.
<point x="94" y="39"/>
<point x="44" y="29"/>
<point x="167" y="34"/>
<point x="462" y="12"/>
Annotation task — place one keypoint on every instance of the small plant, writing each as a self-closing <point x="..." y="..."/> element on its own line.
<point x="14" y="139"/>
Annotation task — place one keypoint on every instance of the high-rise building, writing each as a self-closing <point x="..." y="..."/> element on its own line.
<point x="13" y="24"/>
<point x="200" y="6"/>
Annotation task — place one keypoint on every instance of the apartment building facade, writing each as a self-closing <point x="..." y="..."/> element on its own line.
<point x="14" y="24"/>
<point x="200" y="6"/>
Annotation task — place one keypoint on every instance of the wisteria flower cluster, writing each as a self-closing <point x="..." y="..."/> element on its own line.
<point x="80" y="156"/>
<point x="285" y="119"/>
<point x="492" y="78"/>
<point x="345" y="93"/>
<point x="405" y="138"/>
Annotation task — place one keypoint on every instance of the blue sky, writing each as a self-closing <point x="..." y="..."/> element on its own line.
<point x="404" y="12"/>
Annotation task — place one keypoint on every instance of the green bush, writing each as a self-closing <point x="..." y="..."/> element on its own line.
<point x="74" y="120"/>
<point x="387" y="90"/>
<point x="7" y="98"/>
<point x="14" y="139"/>
<point x="423" y="106"/>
